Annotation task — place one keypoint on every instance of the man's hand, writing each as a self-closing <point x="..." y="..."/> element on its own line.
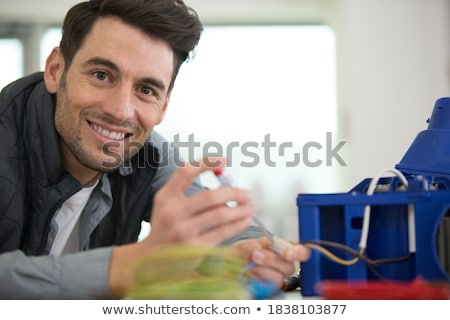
<point x="268" y="264"/>
<point x="201" y="219"/>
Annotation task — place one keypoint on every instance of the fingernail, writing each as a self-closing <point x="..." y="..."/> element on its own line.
<point x="291" y="255"/>
<point x="258" y="256"/>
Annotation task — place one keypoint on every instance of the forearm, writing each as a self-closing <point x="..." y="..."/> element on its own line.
<point x="48" y="277"/>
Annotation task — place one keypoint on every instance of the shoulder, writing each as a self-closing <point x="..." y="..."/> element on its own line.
<point x="15" y="96"/>
<point x="22" y="85"/>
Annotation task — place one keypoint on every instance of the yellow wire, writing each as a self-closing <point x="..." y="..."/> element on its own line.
<point x="332" y="256"/>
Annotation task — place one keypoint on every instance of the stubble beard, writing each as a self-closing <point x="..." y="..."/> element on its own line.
<point x="71" y="136"/>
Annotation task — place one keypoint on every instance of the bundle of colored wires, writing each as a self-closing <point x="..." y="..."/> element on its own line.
<point x="190" y="273"/>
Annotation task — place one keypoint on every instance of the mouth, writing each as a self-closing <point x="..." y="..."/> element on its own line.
<point x="113" y="135"/>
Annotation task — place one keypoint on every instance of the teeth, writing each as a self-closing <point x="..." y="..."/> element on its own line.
<point x="108" y="134"/>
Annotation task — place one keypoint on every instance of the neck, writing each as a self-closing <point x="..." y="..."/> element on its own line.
<point x="86" y="176"/>
<point x="92" y="181"/>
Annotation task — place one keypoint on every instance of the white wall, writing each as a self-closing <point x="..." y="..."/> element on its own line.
<point x="393" y="63"/>
<point x="393" y="66"/>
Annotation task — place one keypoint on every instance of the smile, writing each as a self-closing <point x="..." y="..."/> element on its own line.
<point x="114" y="135"/>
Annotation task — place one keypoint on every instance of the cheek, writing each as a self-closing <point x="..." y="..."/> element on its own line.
<point x="149" y="122"/>
<point x="64" y="117"/>
<point x="82" y="93"/>
<point x="150" y="118"/>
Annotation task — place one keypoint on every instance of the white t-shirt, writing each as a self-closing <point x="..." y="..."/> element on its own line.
<point x="68" y="221"/>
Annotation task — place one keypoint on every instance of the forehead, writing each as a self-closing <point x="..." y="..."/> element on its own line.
<point x="128" y="47"/>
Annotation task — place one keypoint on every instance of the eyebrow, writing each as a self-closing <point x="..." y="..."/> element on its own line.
<point x="98" y="61"/>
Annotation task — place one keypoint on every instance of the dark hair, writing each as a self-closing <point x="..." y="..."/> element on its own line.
<point x="169" y="20"/>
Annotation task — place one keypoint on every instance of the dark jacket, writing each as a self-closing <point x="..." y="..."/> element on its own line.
<point x="34" y="183"/>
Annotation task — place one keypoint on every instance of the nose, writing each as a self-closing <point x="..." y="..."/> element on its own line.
<point x="120" y="105"/>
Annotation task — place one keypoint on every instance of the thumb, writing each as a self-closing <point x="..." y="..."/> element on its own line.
<point x="185" y="175"/>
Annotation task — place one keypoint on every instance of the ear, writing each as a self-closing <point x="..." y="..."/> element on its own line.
<point x="164" y="109"/>
<point x="54" y="67"/>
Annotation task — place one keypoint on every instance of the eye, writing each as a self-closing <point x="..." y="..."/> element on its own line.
<point x="100" y="75"/>
<point x="147" y="91"/>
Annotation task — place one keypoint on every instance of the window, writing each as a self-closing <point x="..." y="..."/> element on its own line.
<point x="50" y="39"/>
<point x="260" y="95"/>
<point x="11" y="63"/>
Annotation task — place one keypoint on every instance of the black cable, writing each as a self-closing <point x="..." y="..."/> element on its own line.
<point x="370" y="263"/>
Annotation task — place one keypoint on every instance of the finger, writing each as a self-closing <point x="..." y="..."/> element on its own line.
<point x="269" y="259"/>
<point x="262" y="272"/>
<point x="216" y="219"/>
<point x="297" y="252"/>
<point x="221" y="233"/>
<point x="293" y="253"/>
<point x="265" y="242"/>
<point x="184" y="176"/>
<point x="205" y="204"/>
<point x="207" y="199"/>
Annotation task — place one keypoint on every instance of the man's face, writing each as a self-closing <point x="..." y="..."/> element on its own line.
<point x="111" y="96"/>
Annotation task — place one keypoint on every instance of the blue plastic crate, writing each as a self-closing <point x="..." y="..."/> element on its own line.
<point x="339" y="217"/>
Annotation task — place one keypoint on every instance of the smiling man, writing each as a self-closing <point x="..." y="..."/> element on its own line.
<point x="113" y="94"/>
<point x="80" y="162"/>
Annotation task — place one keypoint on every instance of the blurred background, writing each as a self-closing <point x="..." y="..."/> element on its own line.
<point x="302" y="96"/>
